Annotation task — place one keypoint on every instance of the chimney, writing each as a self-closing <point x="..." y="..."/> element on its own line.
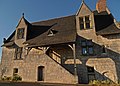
<point x="101" y="6"/>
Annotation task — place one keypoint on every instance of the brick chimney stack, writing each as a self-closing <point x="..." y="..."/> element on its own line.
<point x="101" y="6"/>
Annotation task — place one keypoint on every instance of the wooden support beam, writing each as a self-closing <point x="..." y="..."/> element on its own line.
<point x="75" y="66"/>
<point x="28" y="50"/>
<point x="44" y="49"/>
<point x="74" y="57"/>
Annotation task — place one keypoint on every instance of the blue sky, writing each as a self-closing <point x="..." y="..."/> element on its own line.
<point x="38" y="10"/>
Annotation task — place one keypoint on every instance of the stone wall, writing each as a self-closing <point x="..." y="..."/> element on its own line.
<point x="28" y="67"/>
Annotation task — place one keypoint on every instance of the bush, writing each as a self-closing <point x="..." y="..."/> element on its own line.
<point x="102" y="83"/>
<point x="5" y="78"/>
<point x="16" y="77"/>
<point x="94" y="82"/>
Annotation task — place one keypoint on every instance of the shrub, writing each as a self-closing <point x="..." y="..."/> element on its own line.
<point x="102" y="83"/>
<point x="16" y="77"/>
<point x="95" y="82"/>
<point x="5" y="78"/>
<point x="106" y="82"/>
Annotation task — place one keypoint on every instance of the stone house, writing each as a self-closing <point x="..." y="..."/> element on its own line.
<point x="72" y="49"/>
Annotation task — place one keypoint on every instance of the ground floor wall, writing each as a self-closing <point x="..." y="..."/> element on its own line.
<point x="88" y="68"/>
<point x="28" y="68"/>
<point x="97" y="69"/>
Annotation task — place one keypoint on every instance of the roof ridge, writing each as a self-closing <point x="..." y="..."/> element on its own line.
<point x="53" y="19"/>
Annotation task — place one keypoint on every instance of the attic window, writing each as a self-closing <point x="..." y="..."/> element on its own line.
<point x="81" y="23"/>
<point x="87" y="22"/>
<point x="20" y="33"/>
<point x="52" y="32"/>
<point x="84" y="22"/>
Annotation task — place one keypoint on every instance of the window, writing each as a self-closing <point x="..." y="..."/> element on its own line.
<point x="52" y="32"/>
<point x="84" y="22"/>
<point x="81" y="23"/>
<point x="91" y="73"/>
<point x="90" y="50"/>
<point x="20" y="33"/>
<point x="87" y="22"/>
<point x="87" y="47"/>
<point x="90" y="69"/>
<point x="18" y="53"/>
<point x="15" y="71"/>
<point x="84" y="51"/>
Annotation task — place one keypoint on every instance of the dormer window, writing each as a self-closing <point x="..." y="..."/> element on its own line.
<point x="52" y="32"/>
<point x="84" y="22"/>
<point x="20" y="33"/>
<point x="81" y="23"/>
<point x="87" y="22"/>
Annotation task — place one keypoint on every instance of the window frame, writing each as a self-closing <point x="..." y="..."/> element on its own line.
<point x="84" y="52"/>
<point x="91" y="73"/>
<point x="15" y="71"/>
<point x="20" y="33"/>
<point x="85" y="23"/>
<point x="87" y="44"/>
<point x="18" y="53"/>
<point x="90" y="69"/>
<point x="81" y="22"/>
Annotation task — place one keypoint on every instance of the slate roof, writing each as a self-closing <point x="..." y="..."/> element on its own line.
<point x="65" y="28"/>
<point x="26" y="22"/>
<point x="104" y="24"/>
<point x="36" y="30"/>
<point x="8" y="44"/>
<point x="10" y="40"/>
<point x="102" y="20"/>
<point x="112" y="29"/>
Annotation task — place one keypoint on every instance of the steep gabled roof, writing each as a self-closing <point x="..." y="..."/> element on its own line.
<point x="66" y="32"/>
<point x="11" y="37"/>
<point x="83" y="3"/>
<point x="26" y="22"/>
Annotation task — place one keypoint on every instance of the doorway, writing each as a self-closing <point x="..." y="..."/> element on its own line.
<point x="41" y="73"/>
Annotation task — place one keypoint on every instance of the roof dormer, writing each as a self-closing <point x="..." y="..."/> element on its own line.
<point x="52" y="32"/>
<point x="83" y="10"/>
<point x="21" y="31"/>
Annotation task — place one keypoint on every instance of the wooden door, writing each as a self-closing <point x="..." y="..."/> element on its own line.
<point x="40" y="73"/>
